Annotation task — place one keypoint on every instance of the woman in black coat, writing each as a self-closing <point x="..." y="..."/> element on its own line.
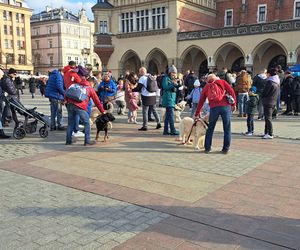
<point x="32" y="86"/>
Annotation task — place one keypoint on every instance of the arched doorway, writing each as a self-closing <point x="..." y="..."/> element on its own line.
<point x="130" y="61"/>
<point x="194" y="59"/>
<point x="230" y="56"/>
<point x="267" y="54"/>
<point x="278" y="60"/>
<point x="156" y="61"/>
<point x="238" y="64"/>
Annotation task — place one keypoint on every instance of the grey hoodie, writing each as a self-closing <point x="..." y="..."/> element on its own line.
<point x="271" y="91"/>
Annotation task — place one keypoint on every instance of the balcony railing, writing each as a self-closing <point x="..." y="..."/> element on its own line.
<point x="280" y="26"/>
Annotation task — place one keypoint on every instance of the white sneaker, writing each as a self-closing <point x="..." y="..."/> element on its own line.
<point x="80" y="126"/>
<point x="78" y="134"/>
<point x="268" y="136"/>
<point x="248" y="134"/>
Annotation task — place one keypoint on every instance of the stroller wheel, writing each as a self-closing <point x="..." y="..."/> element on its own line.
<point x="43" y="132"/>
<point x="19" y="133"/>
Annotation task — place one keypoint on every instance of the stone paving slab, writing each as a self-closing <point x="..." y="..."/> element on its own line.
<point x="40" y="215"/>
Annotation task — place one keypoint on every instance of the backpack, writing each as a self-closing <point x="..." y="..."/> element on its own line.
<point x="215" y="92"/>
<point x="151" y="84"/>
<point x="77" y="92"/>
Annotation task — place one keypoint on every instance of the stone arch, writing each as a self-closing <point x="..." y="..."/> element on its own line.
<point x="194" y="58"/>
<point x="265" y="52"/>
<point x="130" y="61"/>
<point x="156" y="61"/>
<point x="228" y="55"/>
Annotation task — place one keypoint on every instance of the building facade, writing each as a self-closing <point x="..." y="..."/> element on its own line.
<point x="15" y="40"/>
<point x="197" y="34"/>
<point x="58" y="36"/>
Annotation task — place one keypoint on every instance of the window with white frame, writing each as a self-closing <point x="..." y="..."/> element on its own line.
<point x="50" y="44"/>
<point x="7" y="15"/>
<point x="22" y="59"/>
<point x="85" y="61"/>
<point x="262" y="13"/>
<point x="75" y="44"/>
<point x="51" y="60"/>
<point x="228" y="19"/>
<point x="142" y="20"/>
<point x="37" y="44"/>
<point x="159" y="18"/>
<point x="76" y="60"/>
<point x="8" y="44"/>
<point x="127" y="22"/>
<point x="50" y="29"/>
<point x="7" y="30"/>
<point x="20" y="44"/>
<point x="36" y="31"/>
<point x="103" y="27"/>
<point x="297" y="9"/>
<point x="69" y="59"/>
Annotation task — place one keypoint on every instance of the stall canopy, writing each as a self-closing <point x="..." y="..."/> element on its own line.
<point x="295" y="68"/>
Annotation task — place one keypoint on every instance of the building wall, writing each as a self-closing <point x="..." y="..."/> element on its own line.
<point x="25" y="38"/>
<point x="71" y="40"/>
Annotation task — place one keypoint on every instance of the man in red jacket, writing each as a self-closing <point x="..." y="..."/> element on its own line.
<point x="70" y="77"/>
<point x="80" y="109"/>
<point x="217" y="108"/>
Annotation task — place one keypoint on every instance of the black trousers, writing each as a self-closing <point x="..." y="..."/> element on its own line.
<point x="296" y="104"/>
<point x="268" y="111"/>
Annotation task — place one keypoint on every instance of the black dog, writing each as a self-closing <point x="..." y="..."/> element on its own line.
<point x="102" y="122"/>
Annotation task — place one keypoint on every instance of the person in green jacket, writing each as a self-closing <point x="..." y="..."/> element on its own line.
<point x="169" y="86"/>
<point x="251" y="109"/>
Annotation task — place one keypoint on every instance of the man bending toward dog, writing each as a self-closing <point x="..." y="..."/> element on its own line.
<point x="216" y="91"/>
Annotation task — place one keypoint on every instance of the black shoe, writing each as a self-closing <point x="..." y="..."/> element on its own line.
<point x="158" y="126"/>
<point x="225" y="151"/>
<point x="207" y="151"/>
<point x="166" y="133"/>
<point x="53" y="128"/>
<point x="295" y="114"/>
<point x="151" y="120"/>
<point x="68" y="143"/>
<point x="91" y="143"/>
<point x="142" y="129"/>
<point x="61" y="128"/>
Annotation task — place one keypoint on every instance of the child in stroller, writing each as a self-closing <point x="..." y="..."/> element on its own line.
<point x="31" y="119"/>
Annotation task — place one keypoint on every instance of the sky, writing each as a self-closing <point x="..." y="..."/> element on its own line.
<point x="71" y="5"/>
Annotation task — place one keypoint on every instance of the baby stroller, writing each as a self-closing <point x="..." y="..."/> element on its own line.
<point x="31" y="120"/>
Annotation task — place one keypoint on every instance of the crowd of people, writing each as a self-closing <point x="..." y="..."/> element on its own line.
<point x="218" y="93"/>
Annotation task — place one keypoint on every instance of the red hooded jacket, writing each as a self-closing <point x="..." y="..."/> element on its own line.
<point x="91" y="94"/>
<point x="70" y="76"/>
<point x="223" y="102"/>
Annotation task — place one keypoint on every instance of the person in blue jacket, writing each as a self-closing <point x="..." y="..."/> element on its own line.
<point x="107" y="89"/>
<point x="56" y="94"/>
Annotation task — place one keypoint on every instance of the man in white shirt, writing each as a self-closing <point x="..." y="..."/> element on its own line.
<point x="148" y="100"/>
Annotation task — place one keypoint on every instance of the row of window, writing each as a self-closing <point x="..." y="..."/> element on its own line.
<point x="7" y="16"/>
<point x="37" y="59"/>
<point x="68" y="30"/>
<point x="8" y="44"/>
<point x="68" y="44"/>
<point x="8" y="30"/>
<point x="261" y="14"/>
<point x="10" y="59"/>
<point x="142" y="20"/>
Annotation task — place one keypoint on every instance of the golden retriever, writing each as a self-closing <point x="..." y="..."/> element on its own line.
<point x="198" y="132"/>
<point x="179" y="107"/>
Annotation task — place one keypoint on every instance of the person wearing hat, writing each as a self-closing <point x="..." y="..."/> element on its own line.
<point x="81" y="109"/>
<point x="252" y="104"/>
<point x="8" y="86"/>
<point x="269" y="100"/>
<point x="195" y="96"/>
<point x="169" y="86"/>
<point x="2" y="134"/>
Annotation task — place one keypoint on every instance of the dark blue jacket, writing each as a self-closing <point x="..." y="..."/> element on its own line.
<point x="55" y="86"/>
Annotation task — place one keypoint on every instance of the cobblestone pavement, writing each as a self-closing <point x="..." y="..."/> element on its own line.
<point x="39" y="215"/>
<point x="142" y="190"/>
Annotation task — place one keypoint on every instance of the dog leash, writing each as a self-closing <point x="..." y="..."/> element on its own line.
<point x="194" y="124"/>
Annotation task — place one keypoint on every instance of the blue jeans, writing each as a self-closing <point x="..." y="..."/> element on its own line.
<point x="56" y="112"/>
<point x="73" y="113"/>
<point x="147" y="110"/>
<point x="242" y="102"/>
<point x="225" y="113"/>
<point x="250" y="123"/>
<point x="169" y="120"/>
<point x="1" y="127"/>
